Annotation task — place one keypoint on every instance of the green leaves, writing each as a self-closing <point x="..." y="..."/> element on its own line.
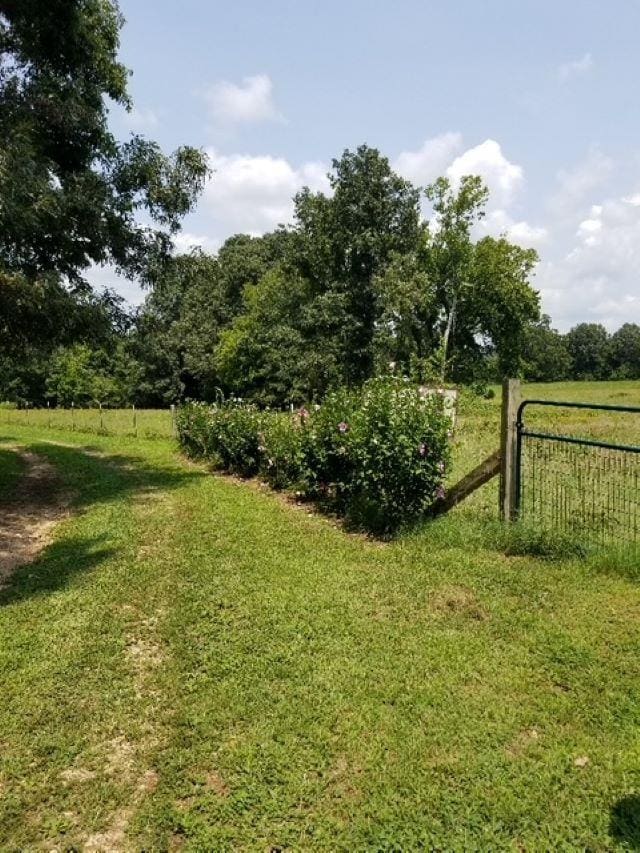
<point x="70" y="190"/>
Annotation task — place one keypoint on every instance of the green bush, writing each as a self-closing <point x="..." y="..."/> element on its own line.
<point x="193" y="424"/>
<point x="281" y="454"/>
<point x="327" y="467"/>
<point x="381" y="454"/>
<point x="227" y="435"/>
<point x="376" y="456"/>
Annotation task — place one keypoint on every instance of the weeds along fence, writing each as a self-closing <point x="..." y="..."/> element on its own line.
<point x="131" y="422"/>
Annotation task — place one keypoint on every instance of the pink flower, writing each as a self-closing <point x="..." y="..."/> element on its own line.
<point x="343" y="427"/>
<point x="304" y="413"/>
<point x="441" y="467"/>
<point x="440" y="493"/>
<point x="422" y="449"/>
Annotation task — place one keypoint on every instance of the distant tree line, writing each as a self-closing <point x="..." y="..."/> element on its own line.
<point x="359" y="285"/>
<point x="587" y="351"/>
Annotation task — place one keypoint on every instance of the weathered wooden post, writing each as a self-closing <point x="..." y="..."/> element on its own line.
<point x="508" y="446"/>
<point x="174" y="427"/>
<point x="135" y="420"/>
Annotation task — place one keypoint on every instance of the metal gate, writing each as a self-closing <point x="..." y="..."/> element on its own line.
<point x="583" y="487"/>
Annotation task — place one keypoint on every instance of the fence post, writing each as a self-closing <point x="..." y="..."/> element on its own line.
<point x="73" y="420"/>
<point x="508" y="441"/>
<point x="174" y="431"/>
<point x="135" y="420"/>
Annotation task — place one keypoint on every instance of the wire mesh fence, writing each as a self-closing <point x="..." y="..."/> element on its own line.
<point x="582" y="488"/>
<point x="132" y="422"/>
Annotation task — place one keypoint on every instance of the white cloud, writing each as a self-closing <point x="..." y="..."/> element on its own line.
<point x="596" y="279"/>
<point x="423" y="166"/>
<point x="141" y="120"/>
<point x="247" y="102"/>
<point x="499" y="222"/>
<point x="575" y="68"/>
<point x="502" y="177"/>
<point x="254" y="194"/>
<point x="443" y="155"/>
<point x="578" y="185"/>
<point x="530" y="236"/>
<point x="185" y="242"/>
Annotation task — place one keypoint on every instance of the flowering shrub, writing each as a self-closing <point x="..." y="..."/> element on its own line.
<point x="382" y="453"/>
<point x="228" y="435"/>
<point x="193" y="424"/>
<point x="281" y="450"/>
<point x="326" y="465"/>
<point x="377" y="456"/>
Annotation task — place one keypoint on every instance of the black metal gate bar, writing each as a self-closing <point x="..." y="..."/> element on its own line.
<point x="563" y="499"/>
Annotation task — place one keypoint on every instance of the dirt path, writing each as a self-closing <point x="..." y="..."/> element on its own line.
<point x="28" y="517"/>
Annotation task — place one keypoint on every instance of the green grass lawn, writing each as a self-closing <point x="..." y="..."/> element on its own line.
<point x="10" y="470"/>
<point x="142" y="423"/>
<point x="195" y="664"/>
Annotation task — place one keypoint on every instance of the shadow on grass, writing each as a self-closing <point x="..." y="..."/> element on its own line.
<point x="625" y="822"/>
<point x="54" y="568"/>
<point x="91" y="477"/>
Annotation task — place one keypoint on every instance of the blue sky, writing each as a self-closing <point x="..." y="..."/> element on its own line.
<point x="541" y="98"/>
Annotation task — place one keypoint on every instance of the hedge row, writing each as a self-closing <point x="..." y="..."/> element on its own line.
<point x="377" y="456"/>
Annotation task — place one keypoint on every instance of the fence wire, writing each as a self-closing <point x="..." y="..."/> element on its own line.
<point x="589" y="493"/>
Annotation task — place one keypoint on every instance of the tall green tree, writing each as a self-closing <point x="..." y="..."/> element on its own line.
<point x="624" y="352"/>
<point x="544" y="353"/>
<point x="71" y="193"/>
<point x="450" y="255"/>
<point x="501" y="301"/>
<point x="346" y="240"/>
<point x="588" y="345"/>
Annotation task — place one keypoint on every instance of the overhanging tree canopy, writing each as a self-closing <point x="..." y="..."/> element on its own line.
<point x="70" y="192"/>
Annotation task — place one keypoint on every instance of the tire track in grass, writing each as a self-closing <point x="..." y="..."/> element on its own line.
<point x="28" y="517"/>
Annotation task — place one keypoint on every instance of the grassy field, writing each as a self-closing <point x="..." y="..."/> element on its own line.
<point x="195" y="664"/>
<point x="142" y="423"/>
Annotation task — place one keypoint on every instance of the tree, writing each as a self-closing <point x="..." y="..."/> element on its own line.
<point x="83" y="376"/>
<point x="450" y="255"/>
<point x="38" y="317"/>
<point x="71" y="193"/>
<point x="588" y="345"/>
<point x="482" y="289"/>
<point x="624" y="352"/>
<point x="284" y="348"/>
<point x="500" y="302"/>
<point x="407" y="337"/>
<point x="195" y="297"/>
<point x="544" y="353"/>
<point x="344" y="242"/>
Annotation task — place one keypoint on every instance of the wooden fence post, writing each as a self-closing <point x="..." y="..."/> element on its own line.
<point x="174" y="428"/>
<point x="508" y="442"/>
